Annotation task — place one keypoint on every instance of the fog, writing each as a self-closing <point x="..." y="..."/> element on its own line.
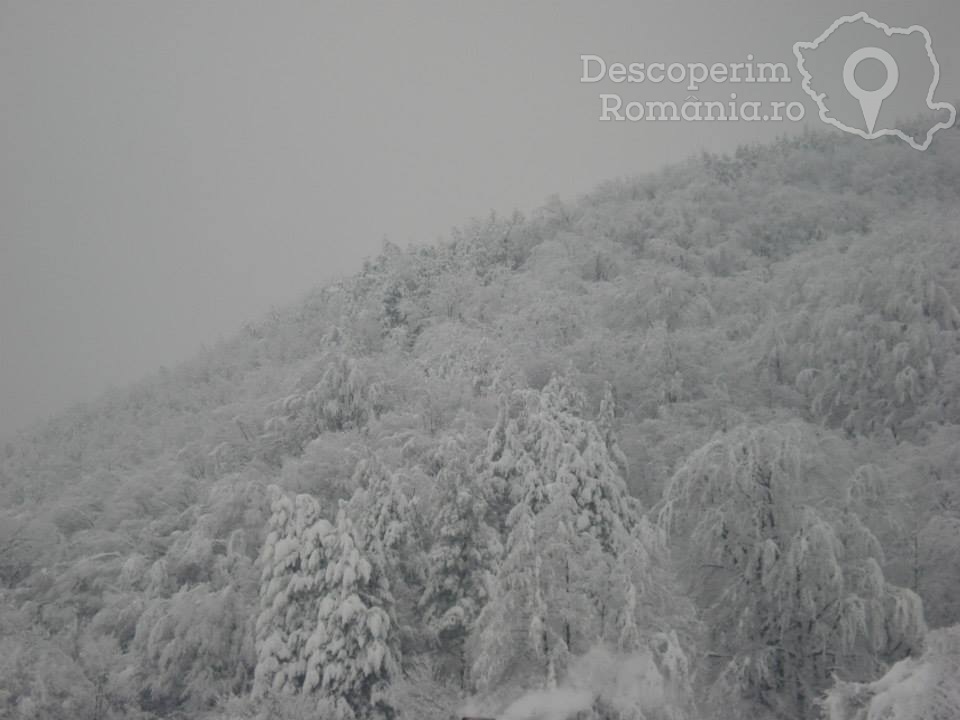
<point x="171" y="169"/>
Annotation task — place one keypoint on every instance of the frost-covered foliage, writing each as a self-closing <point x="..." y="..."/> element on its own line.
<point x="938" y="567"/>
<point x="464" y="553"/>
<point x="352" y="651"/>
<point x="918" y="688"/>
<point x="194" y="648"/>
<point x="576" y="549"/>
<point x="870" y="350"/>
<point x="540" y="440"/>
<point x="326" y="625"/>
<point x="467" y="357"/>
<point x="293" y="561"/>
<point x="603" y="683"/>
<point x="384" y="515"/>
<point x="345" y="397"/>
<point x="789" y="597"/>
<point x="382" y="512"/>
<point x="811" y="280"/>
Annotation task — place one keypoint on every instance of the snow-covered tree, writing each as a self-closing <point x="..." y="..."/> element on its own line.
<point x="499" y="647"/>
<point x="531" y="431"/>
<point x="787" y="598"/>
<point x="293" y="563"/>
<point x="540" y="440"/>
<point x="353" y="650"/>
<point x="919" y="688"/>
<point x="606" y="424"/>
<point x="383" y="515"/>
<point x="346" y="396"/>
<point x="193" y="647"/>
<point x="938" y="568"/>
<point x="464" y="553"/>
<point x="574" y="540"/>
<point x="579" y="585"/>
<point x="381" y="511"/>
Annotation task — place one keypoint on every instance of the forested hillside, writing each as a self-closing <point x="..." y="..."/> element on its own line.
<point x="686" y="447"/>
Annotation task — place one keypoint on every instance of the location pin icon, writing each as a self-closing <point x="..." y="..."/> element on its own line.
<point x="871" y="100"/>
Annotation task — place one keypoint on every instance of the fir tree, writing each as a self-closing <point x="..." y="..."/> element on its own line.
<point x="353" y="650"/>
<point x="386" y="528"/>
<point x="293" y="561"/>
<point x="574" y="541"/>
<point x="464" y="552"/>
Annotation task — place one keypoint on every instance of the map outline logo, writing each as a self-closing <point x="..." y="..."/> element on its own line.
<point x="870" y="134"/>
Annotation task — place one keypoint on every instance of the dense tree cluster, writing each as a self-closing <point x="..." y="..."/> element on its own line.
<point x="683" y="447"/>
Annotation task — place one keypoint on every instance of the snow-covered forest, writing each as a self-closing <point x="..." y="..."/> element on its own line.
<point x="685" y="448"/>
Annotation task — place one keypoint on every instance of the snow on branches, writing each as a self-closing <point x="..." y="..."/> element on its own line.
<point x="578" y="559"/>
<point x="790" y="596"/>
<point x="325" y="624"/>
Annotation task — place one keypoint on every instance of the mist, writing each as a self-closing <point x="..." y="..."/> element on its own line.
<point x="171" y="170"/>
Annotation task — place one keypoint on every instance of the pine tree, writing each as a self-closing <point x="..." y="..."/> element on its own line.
<point x="574" y="540"/>
<point x="576" y="580"/>
<point x="504" y="642"/>
<point x="381" y="512"/>
<point x="353" y="650"/>
<point x="464" y="552"/>
<point x="293" y="560"/>
<point x="386" y="528"/>
<point x="541" y="439"/>
<point x="606" y="422"/>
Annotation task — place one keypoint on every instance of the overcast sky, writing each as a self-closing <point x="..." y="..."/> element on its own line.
<point x="170" y="169"/>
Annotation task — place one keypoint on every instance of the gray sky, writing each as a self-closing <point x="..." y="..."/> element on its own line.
<point x="169" y="169"/>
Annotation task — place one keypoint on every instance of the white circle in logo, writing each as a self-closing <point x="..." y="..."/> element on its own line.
<point x="871" y="100"/>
